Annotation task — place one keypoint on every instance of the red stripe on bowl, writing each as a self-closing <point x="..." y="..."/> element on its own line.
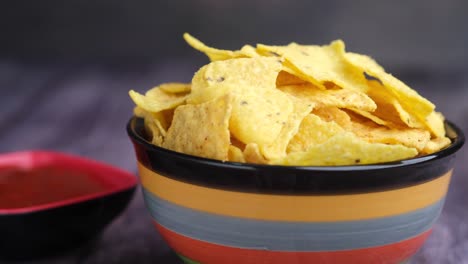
<point x="207" y="253"/>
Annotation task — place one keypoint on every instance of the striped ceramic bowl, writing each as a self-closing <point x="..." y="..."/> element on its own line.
<point x="212" y="212"/>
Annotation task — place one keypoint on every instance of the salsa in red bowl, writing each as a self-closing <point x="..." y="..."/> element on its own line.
<point x="51" y="202"/>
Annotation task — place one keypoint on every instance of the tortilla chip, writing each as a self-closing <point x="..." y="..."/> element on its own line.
<point x="252" y="154"/>
<point x="313" y="131"/>
<point x="360" y="59"/>
<point x="277" y="149"/>
<point x="320" y="64"/>
<point x="334" y="114"/>
<point x="374" y="133"/>
<point x="372" y="117"/>
<point x="412" y="102"/>
<point x="235" y="154"/>
<point x="389" y="108"/>
<point x="221" y="77"/>
<point x="175" y="87"/>
<point x="345" y="149"/>
<point x="341" y="98"/>
<point x="435" y="145"/>
<point x="154" y="132"/>
<point x="212" y="53"/>
<point x="435" y="124"/>
<point x="201" y="130"/>
<point x="286" y="78"/>
<point x="259" y="115"/>
<point x="156" y="100"/>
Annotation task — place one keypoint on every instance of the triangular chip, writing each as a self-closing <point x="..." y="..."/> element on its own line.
<point x="247" y="51"/>
<point x="212" y="53"/>
<point x="156" y="100"/>
<point x="235" y="154"/>
<point x="175" y="87"/>
<point x="154" y="131"/>
<point x="436" y="144"/>
<point x="156" y="124"/>
<point x="411" y="101"/>
<point x="286" y="78"/>
<point x="333" y="114"/>
<point x="360" y="59"/>
<point x="389" y="108"/>
<point x="372" y="132"/>
<point x="320" y="64"/>
<point x="252" y="154"/>
<point x="435" y="124"/>
<point x="259" y="115"/>
<point x="202" y="91"/>
<point x="346" y="149"/>
<point x="372" y="117"/>
<point x="277" y="148"/>
<point x="313" y="131"/>
<point x="220" y="54"/>
<point x="342" y="98"/>
<point x="220" y="77"/>
<point x="201" y="130"/>
<point x="139" y="112"/>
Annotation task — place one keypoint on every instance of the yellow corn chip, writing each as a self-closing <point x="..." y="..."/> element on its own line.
<point x="248" y="51"/>
<point x="252" y="154"/>
<point x="341" y="98"/>
<point x="157" y="100"/>
<point x="235" y="154"/>
<point x="313" y="131"/>
<point x="389" y="108"/>
<point x="201" y="130"/>
<point x="259" y="115"/>
<point x="372" y="132"/>
<point x="139" y="112"/>
<point x="221" y="77"/>
<point x="345" y="149"/>
<point x="277" y="149"/>
<point x="436" y="144"/>
<point x="320" y="64"/>
<point x="435" y="124"/>
<point x="219" y="54"/>
<point x="411" y="101"/>
<point x="154" y="131"/>
<point x="286" y="78"/>
<point x="202" y="91"/>
<point x="372" y="117"/>
<point x="175" y="87"/>
<point x="334" y="114"/>
<point x="153" y="121"/>
<point x="212" y="53"/>
<point x="360" y="59"/>
<point x="258" y="72"/>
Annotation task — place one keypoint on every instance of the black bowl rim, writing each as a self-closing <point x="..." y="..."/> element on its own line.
<point x="457" y="142"/>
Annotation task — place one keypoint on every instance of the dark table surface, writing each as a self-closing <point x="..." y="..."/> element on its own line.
<point x="83" y="109"/>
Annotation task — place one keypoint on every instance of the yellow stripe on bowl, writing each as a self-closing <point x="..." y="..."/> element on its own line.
<point x="301" y="208"/>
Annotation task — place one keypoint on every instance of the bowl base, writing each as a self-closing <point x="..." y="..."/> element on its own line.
<point x="187" y="260"/>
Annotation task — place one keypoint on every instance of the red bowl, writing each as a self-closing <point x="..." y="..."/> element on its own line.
<point x="51" y="202"/>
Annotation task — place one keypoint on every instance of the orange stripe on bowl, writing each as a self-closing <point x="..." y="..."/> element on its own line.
<point x="296" y="207"/>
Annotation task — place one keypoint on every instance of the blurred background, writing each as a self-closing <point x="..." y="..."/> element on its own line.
<point x="66" y="68"/>
<point x="401" y="34"/>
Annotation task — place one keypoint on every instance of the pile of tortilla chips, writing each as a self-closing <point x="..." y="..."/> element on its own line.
<point x="302" y="105"/>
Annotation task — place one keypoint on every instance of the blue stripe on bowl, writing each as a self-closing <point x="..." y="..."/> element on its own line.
<point x="290" y="236"/>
